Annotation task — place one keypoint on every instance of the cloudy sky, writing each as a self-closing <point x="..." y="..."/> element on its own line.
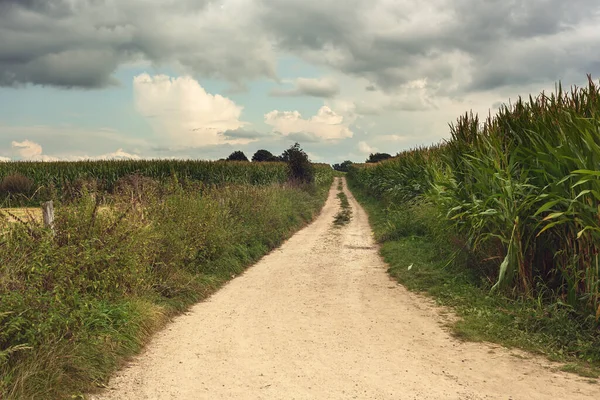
<point x="202" y="78"/>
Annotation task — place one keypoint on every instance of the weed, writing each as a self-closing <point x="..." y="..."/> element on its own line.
<point x="345" y="214"/>
<point x="16" y="184"/>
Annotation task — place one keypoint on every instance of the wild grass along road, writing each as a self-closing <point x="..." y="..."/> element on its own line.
<point x="319" y="318"/>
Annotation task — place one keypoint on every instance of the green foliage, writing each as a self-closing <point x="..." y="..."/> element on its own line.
<point x="16" y="184"/>
<point x="376" y="157"/>
<point x="237" y="156"/>
<point x="264" y="156"/>
<point x="520" y="192"/>
<point x="300" y="168"/>
<point x="416" y="242"/>
<point x="345" y="214"/>
<point x="61" y="180"/>
<point x="343" y="167"/>
<point x="73" y="305"/>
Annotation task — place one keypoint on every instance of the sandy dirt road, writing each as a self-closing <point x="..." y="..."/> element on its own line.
<point x="319" y="318"/>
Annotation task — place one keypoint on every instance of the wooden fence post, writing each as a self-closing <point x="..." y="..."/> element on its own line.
<point x="48" y="214"/>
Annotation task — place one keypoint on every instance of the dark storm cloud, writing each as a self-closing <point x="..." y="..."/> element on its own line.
<point x="464" y="45"/>
<point x="324" y="88"/>
<point x="457" y="45"/>
<point x="82" y="43"/>
<point x="71" y="68"/>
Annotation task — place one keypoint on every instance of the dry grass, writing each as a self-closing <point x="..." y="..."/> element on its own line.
<point x="23" y="213"/>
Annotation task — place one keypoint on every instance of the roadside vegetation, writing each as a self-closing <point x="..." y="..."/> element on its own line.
<point x="29" y="183"/>
<point x="501" y="222"/>
<point x="75" y="303"/>
<point x="342" y="167"/>
<point x="345" y="214"/>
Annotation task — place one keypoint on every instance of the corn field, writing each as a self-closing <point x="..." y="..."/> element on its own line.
<point x="46" y="180"/>
<point x="521" y="187"/>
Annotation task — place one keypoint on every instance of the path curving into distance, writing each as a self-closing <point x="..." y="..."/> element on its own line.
<point x="319" y="318"/>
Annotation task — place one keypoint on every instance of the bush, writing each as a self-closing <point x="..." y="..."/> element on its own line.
<point x="16" y="184"/>
<point x="300" y="169"/>
<point x="375" y="158"/>
<point x="264" y="156"/>
<point x="343" y="167"/>
<point x="237" y="156"/>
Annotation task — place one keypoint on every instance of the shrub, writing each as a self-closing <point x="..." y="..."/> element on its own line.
<point x="237" y="156"/>
<point x="264" y="155"/>
<point x="343" y="167"/>
<point x="375" y="158"/>
<point x="16" y="184"/>
<point x="300" y="169"/>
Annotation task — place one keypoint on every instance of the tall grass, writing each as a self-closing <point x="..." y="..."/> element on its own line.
<point x="76" y="303"/>
<point x="521" y="190"/>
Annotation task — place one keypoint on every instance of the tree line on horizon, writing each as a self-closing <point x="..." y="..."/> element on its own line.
<point x="373" y="158"/>
<point x="263" y="155"/>
<point x="300" y="169"/>
<point x="260" y="156"/>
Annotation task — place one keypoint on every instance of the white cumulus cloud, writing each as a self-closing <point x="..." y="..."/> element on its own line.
<point x="32" y="151"/>
<point x="325" y="125"/>
<point x="27" y="149"/>
<point x="182" y="110"/>
<point x="118" y="155"/>
<point x="364" y="147"/>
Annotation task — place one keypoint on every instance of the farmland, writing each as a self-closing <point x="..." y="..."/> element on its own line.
<point x="135" y="243"/>
<point x="41" y="181"/>
<point x="509" y="204"/>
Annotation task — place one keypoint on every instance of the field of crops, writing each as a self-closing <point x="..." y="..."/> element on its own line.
<point x="32" y="182"/>
<point x="520" y="190"/>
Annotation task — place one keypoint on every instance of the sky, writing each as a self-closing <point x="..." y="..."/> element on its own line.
<point x="199" y="79"/>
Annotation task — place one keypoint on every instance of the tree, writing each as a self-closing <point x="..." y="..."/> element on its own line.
<point x="237" y="156"/>
<point x="264" y="155"/>
<point x="300" y="169"/>
<point x="374" y="158"/>
<point x="343" y="167"/>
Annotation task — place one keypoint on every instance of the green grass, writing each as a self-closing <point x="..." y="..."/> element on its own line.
<point x="416" y="245"/>
<point x="75" y="305"/>
<point x="345" y="214"/>
<point x="520" y="189"/>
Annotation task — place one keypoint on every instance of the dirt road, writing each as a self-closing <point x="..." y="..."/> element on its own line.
<point x="319" y="318"/>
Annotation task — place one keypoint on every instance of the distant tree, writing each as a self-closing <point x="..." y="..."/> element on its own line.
<point x="237" y="156"/>
<point x="343" y="167"/>
<point x="300" y="169"/>
<point x="264" y="155"/>
<point x="374" y="158"/>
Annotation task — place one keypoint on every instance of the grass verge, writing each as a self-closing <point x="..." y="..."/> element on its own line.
<point x="75" y="305"/>
<point x="414" y="245"/>
<point x="345" y="214"/>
